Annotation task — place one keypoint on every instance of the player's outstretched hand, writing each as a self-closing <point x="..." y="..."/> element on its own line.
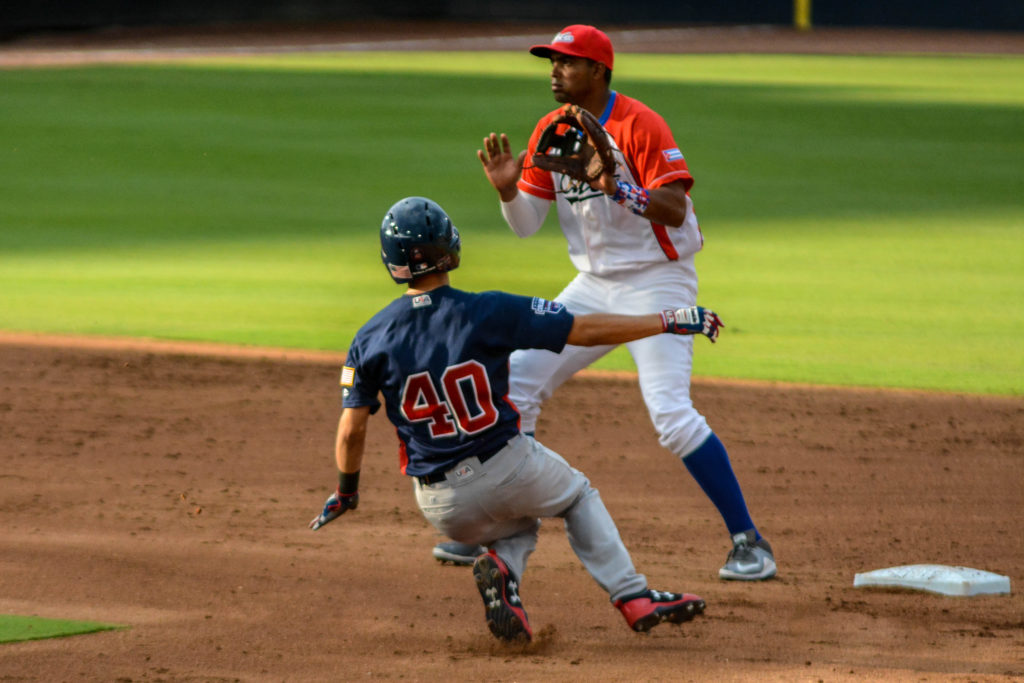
<point x="692" y="320"/>
<point x="338" y="504"/>
<point x="501" y="167"/>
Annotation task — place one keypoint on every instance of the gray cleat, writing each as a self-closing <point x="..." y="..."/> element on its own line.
<point x="749" y="560"/>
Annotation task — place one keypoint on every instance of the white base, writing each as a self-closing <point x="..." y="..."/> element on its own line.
<point x="937" y="578"/>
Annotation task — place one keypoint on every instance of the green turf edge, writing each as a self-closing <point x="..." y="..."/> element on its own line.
<point x="16" y="628"/>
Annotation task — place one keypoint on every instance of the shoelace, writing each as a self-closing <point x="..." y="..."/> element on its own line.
<point x="741" y="547"/>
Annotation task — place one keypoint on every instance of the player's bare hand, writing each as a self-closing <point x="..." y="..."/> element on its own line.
<point x="502" y="168"/>
<point x="337" y="505"/>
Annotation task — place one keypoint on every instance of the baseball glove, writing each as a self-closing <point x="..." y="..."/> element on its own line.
<point x="575" y="145"/>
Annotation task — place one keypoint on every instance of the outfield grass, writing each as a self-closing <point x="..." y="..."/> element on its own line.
<point x="862" y="215"/>
<point x="14" y="628"/>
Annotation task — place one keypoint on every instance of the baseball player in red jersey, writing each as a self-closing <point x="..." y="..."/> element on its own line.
<point x="632" y="235"/>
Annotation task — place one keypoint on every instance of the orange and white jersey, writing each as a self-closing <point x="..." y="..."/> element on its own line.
<point x="605" y="237"/>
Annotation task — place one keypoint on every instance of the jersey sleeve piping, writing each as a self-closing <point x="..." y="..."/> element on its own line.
<point x="667" y="178"/>
<point x="535" y="190"/>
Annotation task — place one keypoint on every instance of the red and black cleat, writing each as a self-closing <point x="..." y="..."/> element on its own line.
<point x="643" y="611"/>
<point x="499" y="589"/>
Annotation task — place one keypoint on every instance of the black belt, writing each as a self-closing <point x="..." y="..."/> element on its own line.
<point x="435" y="477"/>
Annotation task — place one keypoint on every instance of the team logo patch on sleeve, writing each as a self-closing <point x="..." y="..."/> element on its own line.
<point x="543" y="306"/>
<point x="348" y="376"/>
<point x="672" y="154"/>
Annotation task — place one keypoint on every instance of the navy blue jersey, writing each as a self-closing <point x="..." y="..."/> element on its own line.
<point x="440" y="359"/>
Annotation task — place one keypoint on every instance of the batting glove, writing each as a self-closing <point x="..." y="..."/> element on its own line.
<point x="692" y="320"/>
<point x="338" y="504"/>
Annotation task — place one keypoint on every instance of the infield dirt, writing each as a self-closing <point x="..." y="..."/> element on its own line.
<point x="169" y="490"/>
<point x="168" y="487"/>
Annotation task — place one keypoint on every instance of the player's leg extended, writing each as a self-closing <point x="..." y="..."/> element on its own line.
<point x="547" y="486"/>
<point x="663" y="363"/>
<point x="500" y="506"/>
<point x="596" y="541"/>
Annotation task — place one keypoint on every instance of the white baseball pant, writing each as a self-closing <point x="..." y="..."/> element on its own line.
<point x="664" y="361"/>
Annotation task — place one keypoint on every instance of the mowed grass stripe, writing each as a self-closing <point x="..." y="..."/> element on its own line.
<point x="861" y="215"/>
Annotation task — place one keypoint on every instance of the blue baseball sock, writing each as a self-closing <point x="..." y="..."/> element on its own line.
<point x="710" y="466"/>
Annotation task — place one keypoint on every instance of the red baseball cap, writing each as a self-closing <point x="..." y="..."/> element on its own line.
<point x="579" y="40"/>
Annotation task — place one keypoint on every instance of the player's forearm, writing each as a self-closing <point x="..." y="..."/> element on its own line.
<point x="666" y="205"/>
<point x="524" y="213"/>
<point x="348" y="454"/>
<point x="351" y="440"/>
<point x="665" y="208"/>
<point x="597" y="329"/>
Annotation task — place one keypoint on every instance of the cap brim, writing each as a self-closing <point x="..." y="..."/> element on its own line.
<point x="546" y="51"/>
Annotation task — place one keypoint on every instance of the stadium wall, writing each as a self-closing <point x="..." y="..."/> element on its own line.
<point x="27" y="16"/>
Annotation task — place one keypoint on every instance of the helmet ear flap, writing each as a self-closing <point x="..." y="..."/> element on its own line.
<point x="417" y="237"/>
<point x="455" y="249"/>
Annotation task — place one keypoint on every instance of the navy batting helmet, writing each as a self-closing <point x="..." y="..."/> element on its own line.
<point x="416" y="238"/>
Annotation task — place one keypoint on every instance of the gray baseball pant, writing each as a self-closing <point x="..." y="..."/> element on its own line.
<point x="500" y="503"/>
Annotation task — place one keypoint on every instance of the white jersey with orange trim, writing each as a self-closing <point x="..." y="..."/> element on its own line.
<point x="605" y="237"/>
